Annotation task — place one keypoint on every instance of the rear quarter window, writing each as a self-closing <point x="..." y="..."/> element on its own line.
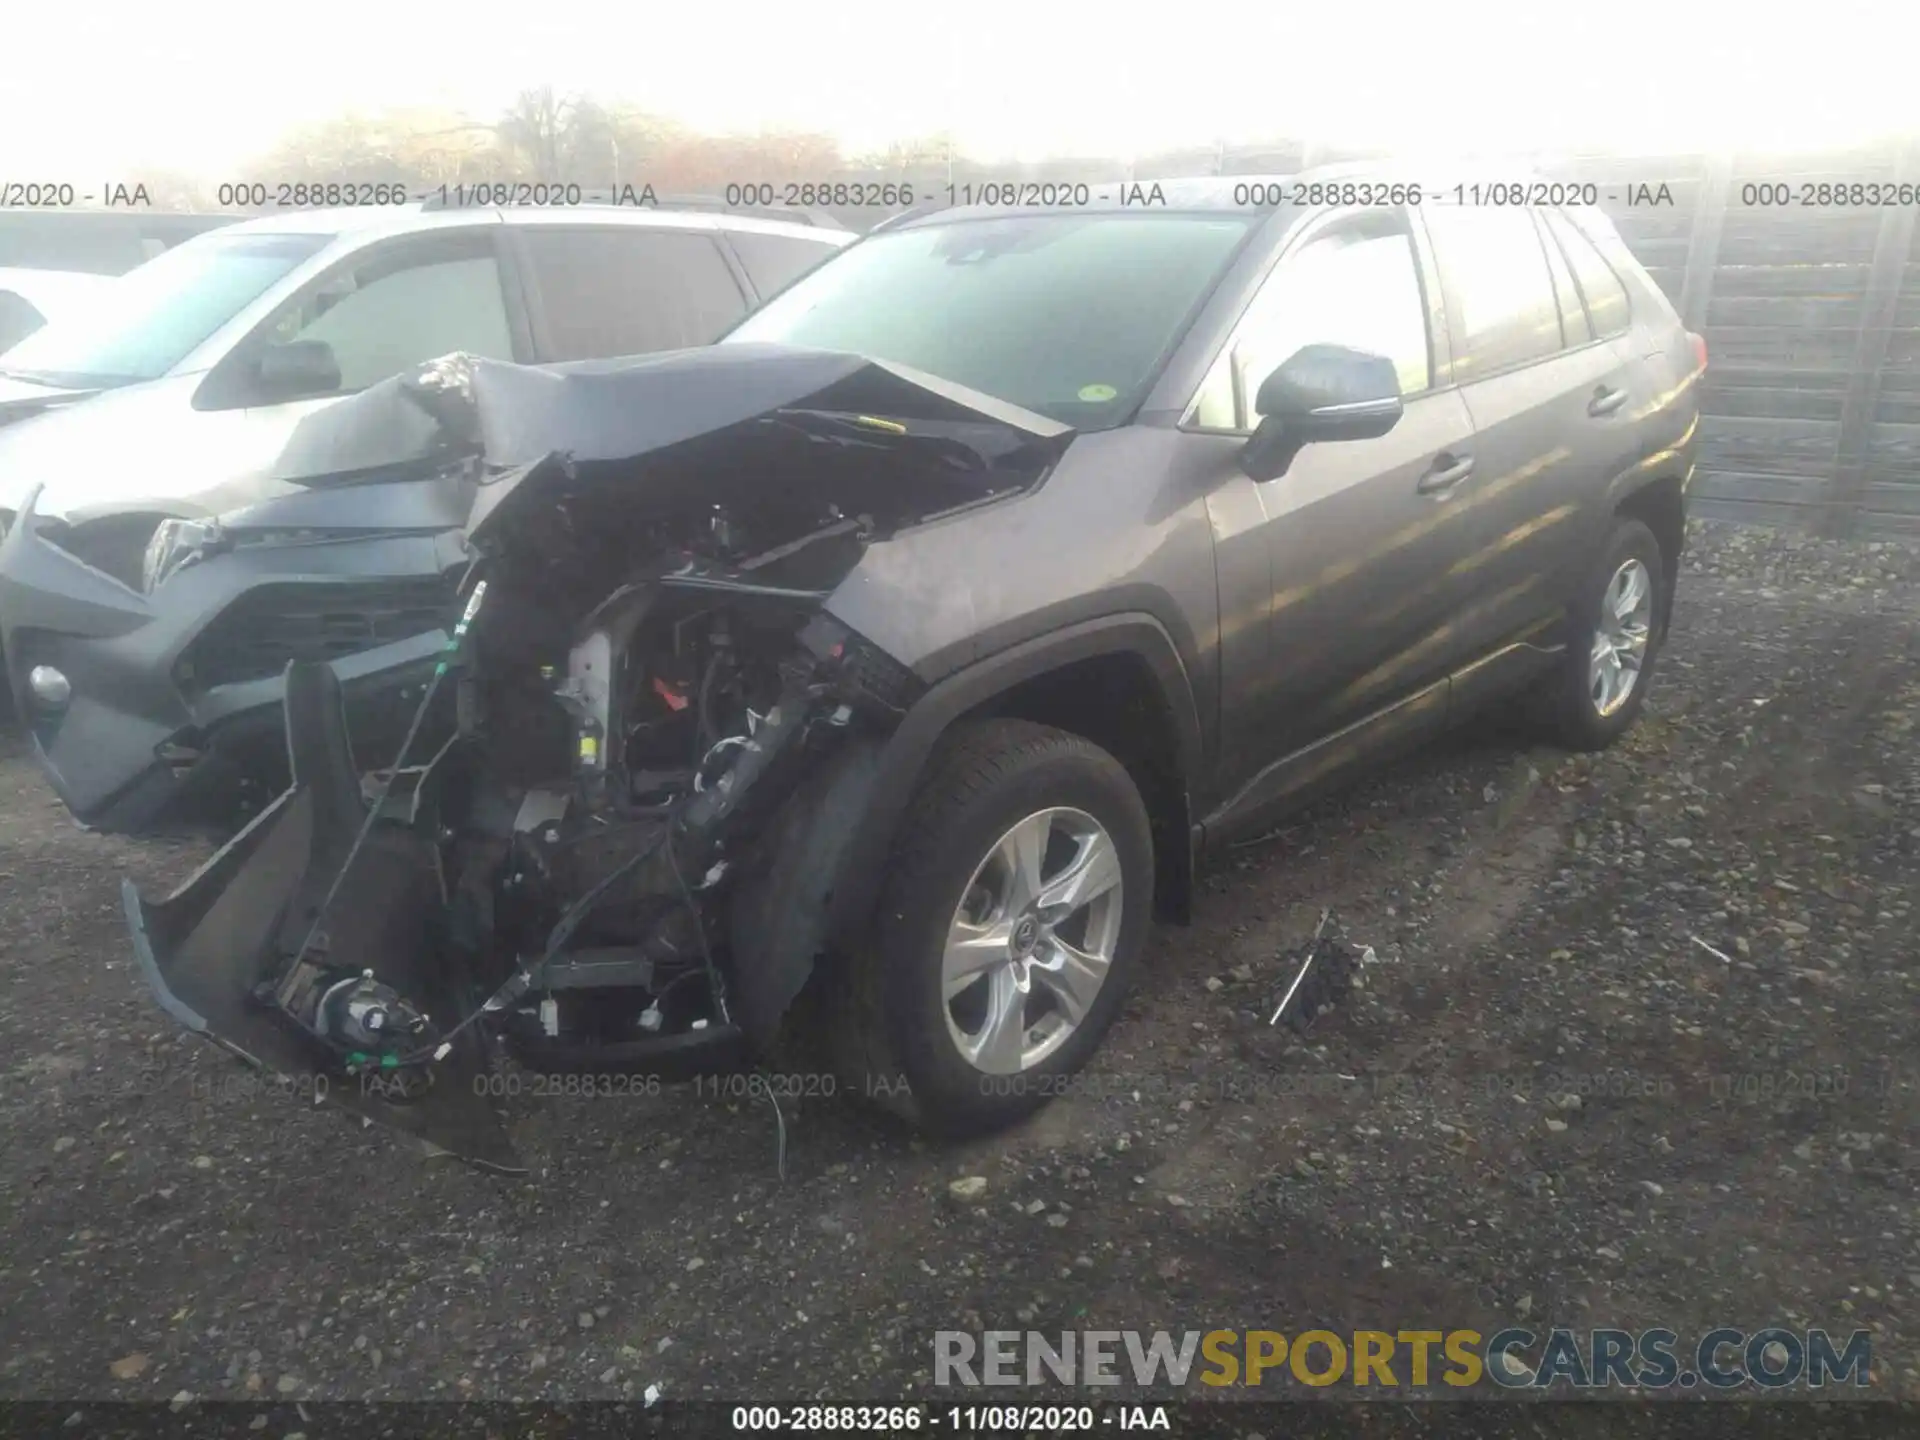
<point x="18" y="319"/>
<point x="774" y="262"/>
<point x="1600" y="287"/>
<point x="1573" y="313"/>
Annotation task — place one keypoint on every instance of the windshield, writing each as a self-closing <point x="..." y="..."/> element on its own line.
<point x="1070" y="316"/>
<point x="159" y="311"/>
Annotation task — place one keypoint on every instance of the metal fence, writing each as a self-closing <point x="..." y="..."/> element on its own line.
<point x="1809" y="298"/>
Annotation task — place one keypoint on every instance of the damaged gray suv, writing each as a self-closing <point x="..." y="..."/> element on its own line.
<point x="880" y="672"/>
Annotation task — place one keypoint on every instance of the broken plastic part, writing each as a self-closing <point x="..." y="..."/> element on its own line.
<point x="1323" y="978"/>
<point x="1325" y="975"/>
<point x="510" y="851"/>
<point x="1306" y="961"/>
<point x="208" y="948"/>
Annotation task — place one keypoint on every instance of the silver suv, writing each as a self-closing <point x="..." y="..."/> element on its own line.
<point x="212" y="353"/>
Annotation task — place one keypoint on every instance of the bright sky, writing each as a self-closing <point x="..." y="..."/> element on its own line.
<point x="201" y="85"/>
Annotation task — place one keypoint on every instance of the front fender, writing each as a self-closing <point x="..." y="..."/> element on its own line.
<point x="903" y="757"/>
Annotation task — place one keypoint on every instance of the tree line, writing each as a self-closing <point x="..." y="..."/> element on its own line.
<point x="545" y="136"/>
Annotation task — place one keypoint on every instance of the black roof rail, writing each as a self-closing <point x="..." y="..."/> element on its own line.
<point x="912" y="212"/>
<point x="792" y="214"/>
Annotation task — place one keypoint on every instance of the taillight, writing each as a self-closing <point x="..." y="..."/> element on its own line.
<point x="1699" y="350"/>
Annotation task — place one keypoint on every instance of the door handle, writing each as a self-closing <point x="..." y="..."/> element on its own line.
<point x="1446" y="472"/>
<point x="1606" y="401"/>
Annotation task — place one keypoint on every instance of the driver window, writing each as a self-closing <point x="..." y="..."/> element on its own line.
<point x="1355" y="284"/>
<point x="403" y="305"/>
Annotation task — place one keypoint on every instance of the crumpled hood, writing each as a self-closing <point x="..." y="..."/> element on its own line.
<point x="144" y="447"/>
<point x="610" y="410"/>
<point x="610" y="413"/>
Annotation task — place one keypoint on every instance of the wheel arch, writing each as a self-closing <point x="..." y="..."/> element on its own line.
<point x="1097" y="675"/>
<point x="1661" y="505"/>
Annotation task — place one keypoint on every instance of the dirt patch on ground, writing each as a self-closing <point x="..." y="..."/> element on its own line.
<point x="1636" y="1050"/>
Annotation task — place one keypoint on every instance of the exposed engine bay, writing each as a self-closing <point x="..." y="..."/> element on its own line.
<point x="623" y="755"/>
<point x="607" y="841"/>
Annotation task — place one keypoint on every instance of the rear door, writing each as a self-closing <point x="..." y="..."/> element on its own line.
<point x="599" y="291"/>
<point x="1549" y="381"/>
<point x="1360" y="535"/>
<point x="1620" y="390"/>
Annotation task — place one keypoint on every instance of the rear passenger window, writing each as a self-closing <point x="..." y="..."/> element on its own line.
<point x="630" y="290"/>
<point x="774" y="262"/>
<point x="1606" y="297"/>
<point x="1499" y="291"/>
<point x="1574" y="328"/>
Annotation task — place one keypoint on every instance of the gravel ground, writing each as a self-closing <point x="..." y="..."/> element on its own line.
<point x="1635" y="1051"/>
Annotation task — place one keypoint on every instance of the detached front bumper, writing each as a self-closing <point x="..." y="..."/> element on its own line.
<point x="174" y="704"/>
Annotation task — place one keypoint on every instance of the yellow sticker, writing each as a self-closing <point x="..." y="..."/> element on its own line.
<point x="1094" y="394"/>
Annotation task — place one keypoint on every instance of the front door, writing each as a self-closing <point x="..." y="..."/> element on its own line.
<point x="1362" y="611"/>
<point x="379" y="312"/>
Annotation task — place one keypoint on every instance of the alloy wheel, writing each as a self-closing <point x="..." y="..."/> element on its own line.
<point x="1620" y="637"/>
<point x="1032" y="940"/>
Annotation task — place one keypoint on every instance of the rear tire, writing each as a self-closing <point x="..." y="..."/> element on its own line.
<point x="1613" y="638"/>
<point x="1025" y="857"/>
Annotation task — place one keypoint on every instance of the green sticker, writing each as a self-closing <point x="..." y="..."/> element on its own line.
<point x="1094" y="394"/>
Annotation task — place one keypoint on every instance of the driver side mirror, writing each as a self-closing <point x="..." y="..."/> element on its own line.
<point x="1320" y="392"/>
<point x="296" y="370"/>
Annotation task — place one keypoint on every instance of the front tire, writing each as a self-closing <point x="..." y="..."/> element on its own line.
<point x="1613" y="638"/>
<point x="1010" y="923"/>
